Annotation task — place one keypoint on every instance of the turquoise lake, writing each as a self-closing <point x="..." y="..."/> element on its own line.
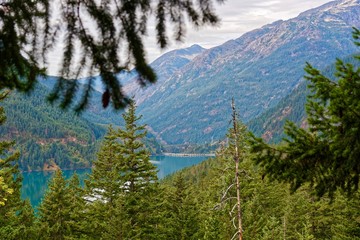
<point x="35" y="183"/>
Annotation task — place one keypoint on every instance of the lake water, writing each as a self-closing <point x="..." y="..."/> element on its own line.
<point x="35" y="183"/>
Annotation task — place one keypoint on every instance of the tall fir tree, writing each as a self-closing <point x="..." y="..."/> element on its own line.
<point x="105" y="180"/>
<point x="26" y="228"/>
<point x="123" y="163"/>
<point x="54" y="210"/>
<point x="137" y="170"/>
<point x="124" y="181"/>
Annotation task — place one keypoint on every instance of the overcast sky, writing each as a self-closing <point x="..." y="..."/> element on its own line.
<point x="237" y="17"/>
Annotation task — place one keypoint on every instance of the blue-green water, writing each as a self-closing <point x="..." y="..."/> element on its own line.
<point x="35" y="183"/>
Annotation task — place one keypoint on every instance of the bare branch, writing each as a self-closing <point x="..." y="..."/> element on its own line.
<point x="224" y="195"/>
<point x="235" y="235"/>
<point x="233" y="222"/>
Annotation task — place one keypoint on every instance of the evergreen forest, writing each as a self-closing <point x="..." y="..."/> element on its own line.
<point x="303" y="184"/>
<point x="249" y="190"/>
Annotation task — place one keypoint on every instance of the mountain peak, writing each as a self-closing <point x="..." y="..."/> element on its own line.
<point x="195" y="47"/>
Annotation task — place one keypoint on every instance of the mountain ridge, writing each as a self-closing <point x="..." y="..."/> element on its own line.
<point x="258" y="69"/>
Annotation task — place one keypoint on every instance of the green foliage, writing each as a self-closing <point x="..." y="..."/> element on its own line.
<point x="269" y="210"/>
<point x="16" y="217"/>
<point x="28" y="34"/>
<point x="136" y="167"/>
<point x="54" y="212"/>
<point x="326" y="155"/>
<point x="7" y="170"/>
<point x="26" y="228"/>
<point x="61" y="212"/>
<point x="18" y="28"/>
<point x="187" y="205"/>
<point x="183" y="211"/>
<point x="123" y="163"/>
<point x="47" y="135"/>
<point x="122" y="187"/>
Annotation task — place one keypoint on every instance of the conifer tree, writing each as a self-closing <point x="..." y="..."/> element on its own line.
<point x="5" y="190"/>
<point x="77" y="208"/>
<point x="105" y="182"/>
<point x="124" y="181"/>
<point x="327" y="154"/>
<point x="7" y="158"/>
<point x="123" y="163"/>
<point x="10" y="184"/>
<point x="117" y="221"/>
<point x="54" y="210"/>
<point x="137" y="170"/>
<point x="183" y="222"/>
<point x="26" y="228"/>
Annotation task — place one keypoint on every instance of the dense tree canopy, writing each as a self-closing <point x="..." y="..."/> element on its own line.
<point x="7" y="169"/>
<point x="327" y="154"/>
<point x="98" y="37"/>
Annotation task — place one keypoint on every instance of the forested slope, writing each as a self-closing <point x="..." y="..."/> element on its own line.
<point x="46" y="135"/>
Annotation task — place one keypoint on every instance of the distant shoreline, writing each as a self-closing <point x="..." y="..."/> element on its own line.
<point x="189" y="154"/>
<point x="154" y="155"/>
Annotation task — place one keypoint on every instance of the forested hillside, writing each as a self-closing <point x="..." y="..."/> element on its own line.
<point x="247" y="190"/>
<point x="49" y="138"/>
<point x="46" y="136"/>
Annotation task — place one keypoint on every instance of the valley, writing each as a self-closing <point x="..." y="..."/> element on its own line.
<point x="188" y="109"/>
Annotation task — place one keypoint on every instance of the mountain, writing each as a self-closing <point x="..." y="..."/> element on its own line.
<point x="270" y="124"/>
<point x="95" y="112"/>
<point x="258" y="69"/>
<point x="165" y="66"/>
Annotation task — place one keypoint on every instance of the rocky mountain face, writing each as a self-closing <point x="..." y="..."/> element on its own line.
<point x="191" y="101"/>
<point x="165" y="66"/>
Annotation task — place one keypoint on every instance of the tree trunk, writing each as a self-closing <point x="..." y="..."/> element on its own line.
<point x="237" y="159"/>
